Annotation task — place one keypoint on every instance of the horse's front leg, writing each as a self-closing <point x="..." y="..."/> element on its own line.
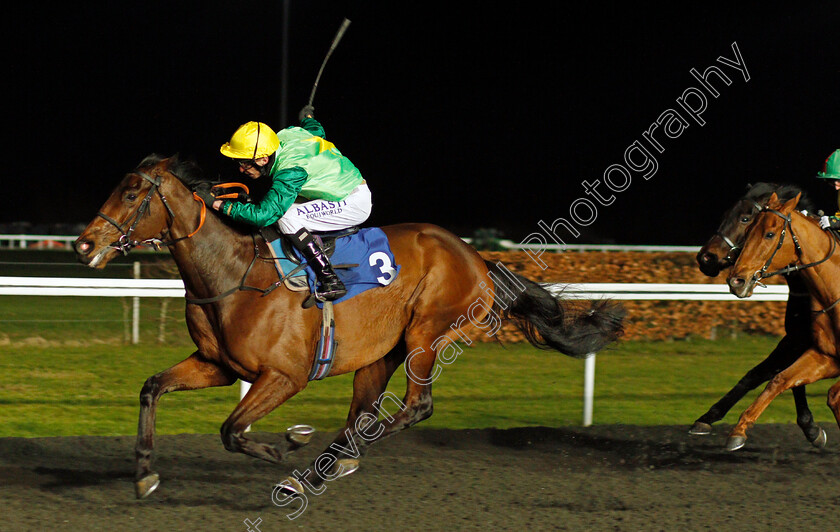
<point x="834" y="400"/>
<point x="813" y="432"/>
<point x="193" y="373"/>
<point x="810" y="367"/>
<point x="788" y="350"/>
<point x="272" y="388"/>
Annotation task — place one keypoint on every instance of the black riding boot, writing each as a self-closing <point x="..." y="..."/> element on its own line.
<point x="330" y="286"/>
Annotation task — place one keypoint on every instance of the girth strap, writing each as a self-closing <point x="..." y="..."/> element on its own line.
<point x="325" y="351"/>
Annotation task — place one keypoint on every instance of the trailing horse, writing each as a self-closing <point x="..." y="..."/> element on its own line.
<point x="719" y="253"/>
<point x="268" y="339"/>
<point x="782" y="241"/>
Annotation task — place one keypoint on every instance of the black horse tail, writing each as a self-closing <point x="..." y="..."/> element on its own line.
<point x="546" y="323"/>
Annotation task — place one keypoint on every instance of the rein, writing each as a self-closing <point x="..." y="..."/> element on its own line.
<point x="762" y="273"/>
<point x="241" y="286"/>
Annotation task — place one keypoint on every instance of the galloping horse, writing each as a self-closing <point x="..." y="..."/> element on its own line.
<point x="720" y="253"/>
<point x="783" y="240"/>
<point x="443" y="289"/>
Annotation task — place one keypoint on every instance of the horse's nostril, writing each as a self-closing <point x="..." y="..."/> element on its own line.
<point x="705" y="258"/>
<point x="736" y="282"/>
<point x="84" y="247"/>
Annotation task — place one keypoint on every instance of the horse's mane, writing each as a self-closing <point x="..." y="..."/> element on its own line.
<point x="187" y="171"/>
<point x="762" y="191"/>
<point x="190" y="174"/>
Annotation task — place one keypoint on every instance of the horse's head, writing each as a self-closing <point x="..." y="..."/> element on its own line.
<point x="770" y="245"/>
<point x="722" y="249"/>
<point x="137" y="213"/>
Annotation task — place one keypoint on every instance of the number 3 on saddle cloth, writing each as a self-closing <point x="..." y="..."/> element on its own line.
<point x="367" y="251"/>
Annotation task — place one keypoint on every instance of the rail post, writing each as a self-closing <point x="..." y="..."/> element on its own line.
<point x="588" y="388"/>
<point x="135" y="314"/>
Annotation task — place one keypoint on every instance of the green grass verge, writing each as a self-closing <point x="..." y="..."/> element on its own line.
<point x="92" y="388"/>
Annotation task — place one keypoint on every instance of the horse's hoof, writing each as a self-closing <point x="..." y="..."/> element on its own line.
<point x="700" y="429"/>
<point x="300" y="435"/>
<point x="343" y="467"/>
<point x="291" y="486"/>
<point x="820" y="441"/>
<point x="735" y="442"/>
<point x="146" y="485"/>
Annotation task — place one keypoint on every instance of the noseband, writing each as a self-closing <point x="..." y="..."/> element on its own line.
<point x="125" y="243"/>
<point x="735" y="249"/>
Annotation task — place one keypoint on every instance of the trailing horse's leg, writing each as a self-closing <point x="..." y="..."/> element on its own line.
<point x="193" y="373"/>
<point x="369" y="383"/>
<point x="788" y="350"/>
<point x="810" y="367"/>
<point x="813" y="432"/>
<point x="271" y="389"/>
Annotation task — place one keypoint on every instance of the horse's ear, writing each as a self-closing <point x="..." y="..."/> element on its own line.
<point x="169" y="162"/>
<point x="790" y="204"/>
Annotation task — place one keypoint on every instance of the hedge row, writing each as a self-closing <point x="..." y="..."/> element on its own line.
<point x="649" y="320"/>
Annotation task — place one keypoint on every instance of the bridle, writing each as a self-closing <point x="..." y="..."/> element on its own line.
<point x="125" y="243"/>
<point x="762" y="273"/>
<point x="734" y="249"/>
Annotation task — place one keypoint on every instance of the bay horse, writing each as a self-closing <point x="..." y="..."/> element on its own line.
<point x="783" y="240"/>
<point x="718" y="254"/>
<point x="443" y="291"/>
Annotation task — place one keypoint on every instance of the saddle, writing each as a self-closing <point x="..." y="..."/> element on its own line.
<point x="297" y="282"/>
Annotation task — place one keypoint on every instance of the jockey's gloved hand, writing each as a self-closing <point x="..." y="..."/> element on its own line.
<point x="829" y="222"/>
<point x="307" y="112"/>
<point x="204" y="191"/>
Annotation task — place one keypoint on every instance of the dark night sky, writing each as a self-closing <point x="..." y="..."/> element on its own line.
<point x="462" y="116"/>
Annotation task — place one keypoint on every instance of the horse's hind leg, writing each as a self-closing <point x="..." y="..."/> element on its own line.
<point x="417" y="403"/>
<point x="271" y="389"/>
<point x="193" y="373"/>
<point x="369" y="400"/>
<point x="810" y="367"/>
<point x="340" y="458"/>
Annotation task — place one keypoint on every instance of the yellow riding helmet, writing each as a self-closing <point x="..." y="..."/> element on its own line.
<point x="251" y="141"/>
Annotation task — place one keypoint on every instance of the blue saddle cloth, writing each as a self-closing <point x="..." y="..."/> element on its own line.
<point x="369" y="249"/>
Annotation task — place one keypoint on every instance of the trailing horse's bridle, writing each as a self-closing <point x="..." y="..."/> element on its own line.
<point x="124" y="244"/>
<point x="762" y="273"/>
<point x="735" y="249"/>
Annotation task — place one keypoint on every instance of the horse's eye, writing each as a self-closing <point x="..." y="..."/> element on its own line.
<point x="745" y="220"/>
<point x="771" y="234"/>
<point x="131" y="196"/>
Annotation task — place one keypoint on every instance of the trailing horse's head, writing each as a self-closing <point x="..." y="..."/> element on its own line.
<point x="770" y="245"/>
<point x="722" y="249"/>
<point x="136" y="213"/>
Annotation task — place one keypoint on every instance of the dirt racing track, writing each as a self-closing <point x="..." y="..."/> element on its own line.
<point x="596" y="478"/>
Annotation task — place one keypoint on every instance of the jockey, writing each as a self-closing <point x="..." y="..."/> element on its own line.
<point x="313" y="188"/>
<point x="831" y="170"/>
